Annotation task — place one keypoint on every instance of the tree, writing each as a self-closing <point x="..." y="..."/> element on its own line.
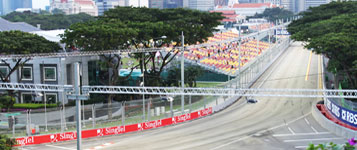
<point x="127" y="27"/>
<point x="102" y="35"/>
<point x="6" y="102"/>
<point x="6" y="143"/>
<point x="191" y="75"/>
<point x="57" y="11"/>
<point x="196" y="25"/>
<point x="331" y="30"/>
<point x="17" y="42"/>
<point x="273" y="14"/>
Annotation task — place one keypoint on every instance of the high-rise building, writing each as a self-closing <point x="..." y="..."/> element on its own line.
<point x="221" y="2"/>
<point x="8" y="6"/>
<point x="288" y="5"/>
<point x="104" y="5"/>
<point x="156" y="4"/>
<point x="173" y="4"/>
<point x="315" y="3"/>
<point x="203" y="5"/>
<point x="244" y="1"/>
<point x="137" y="3"/>
<point x="75" y="6"/>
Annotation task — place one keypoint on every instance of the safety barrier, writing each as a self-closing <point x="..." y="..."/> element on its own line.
<point x="330" y="117"/>
<point x="66" y="136"/>
<point x="330" y="125"/>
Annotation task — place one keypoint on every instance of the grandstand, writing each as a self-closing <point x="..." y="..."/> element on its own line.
<point x="224" y="57"/>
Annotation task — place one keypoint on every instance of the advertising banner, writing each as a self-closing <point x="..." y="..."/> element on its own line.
<point x="347" y="116"/>
<point x="281" y="32"/>
<point x="57" y="137"/>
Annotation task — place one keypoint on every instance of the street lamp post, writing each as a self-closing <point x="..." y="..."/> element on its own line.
<point x="46" y="113"/>
<point x="78" y="105"/>
<point x="142" y="84"/>
<point x="239" y="60"/>
<point x="182" y="73"/>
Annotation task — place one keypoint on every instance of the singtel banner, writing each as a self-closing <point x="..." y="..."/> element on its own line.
<point x="56" y="137"/>
<point x="347" y="116"/>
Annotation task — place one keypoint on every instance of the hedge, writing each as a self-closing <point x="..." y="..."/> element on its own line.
<point x="33" y="105"/>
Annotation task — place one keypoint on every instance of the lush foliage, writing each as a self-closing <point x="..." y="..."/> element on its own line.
<point x="191" y="75"/>
<point x="6" y="102"/>
<point x="332" y="146"/>
<point x="6" y="143"/>
<point x="33" y="105"/>
<point x="273" y="14"/>
<point x="48" y="21"/>
<point x="331" y="30"/>
<point x="17" y="42"/>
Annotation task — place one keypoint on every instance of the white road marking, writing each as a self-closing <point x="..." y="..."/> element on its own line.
<point x="304" y="140"/>
<point x="301" y="134"/>
<point x="307" y="121"/>
<point x="313" y="129"/>
<point x="301" y="147"/>
<point x="229" y="143"/>
<point x="272" y="128"/>
<point x="291" y="130"/>
<point x="60" y="147"/>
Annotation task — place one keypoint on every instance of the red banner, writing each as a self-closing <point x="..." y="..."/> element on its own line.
<point x="51" y="138"/>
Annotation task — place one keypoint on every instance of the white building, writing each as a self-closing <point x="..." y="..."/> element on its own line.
<point x="246" y="9"/>
<point x="75" y="6"/>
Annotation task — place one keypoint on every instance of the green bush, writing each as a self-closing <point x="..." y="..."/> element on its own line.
<point x="6" y="143"/>
<point x="33" y="105"/>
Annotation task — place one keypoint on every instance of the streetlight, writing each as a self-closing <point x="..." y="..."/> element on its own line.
<point x="142" y="84"/>
<point x="183" y="73"/>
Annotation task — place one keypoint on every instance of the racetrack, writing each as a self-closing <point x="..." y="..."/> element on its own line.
<point x="272" y="123"/>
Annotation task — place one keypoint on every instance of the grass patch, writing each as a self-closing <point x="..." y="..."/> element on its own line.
<point x="208" y="84"/>
<point x="126" y="60"/>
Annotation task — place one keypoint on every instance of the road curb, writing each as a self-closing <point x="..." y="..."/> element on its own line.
<point x="330" y="125"/>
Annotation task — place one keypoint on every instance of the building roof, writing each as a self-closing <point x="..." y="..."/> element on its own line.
<point x="252" y="5"/>
<point x="229" y="20"/>
<point x="22" y="26"/>
<point x="84" y="2"/>
<point x="51" y="35"/>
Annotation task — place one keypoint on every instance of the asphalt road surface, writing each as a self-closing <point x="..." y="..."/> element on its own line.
<point x="271" y="124"/>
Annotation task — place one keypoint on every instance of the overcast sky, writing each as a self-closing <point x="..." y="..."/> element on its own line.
<point x="40" y="3"/>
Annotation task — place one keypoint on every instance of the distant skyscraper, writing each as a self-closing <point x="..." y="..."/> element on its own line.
<point x="137" y="3"/>
<point x="221" y="2"/>
<point x="8" y="6"/>
<point x="315" y="3"/>
<point x="288" y="4"/>
<point x="203" y="5"/>
<point x="173" y="3"/>
<point x="244" y="1"/>
<point x="156" y="4"/>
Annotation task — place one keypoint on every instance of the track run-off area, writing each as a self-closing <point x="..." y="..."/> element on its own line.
<point x="272" y="123"/>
